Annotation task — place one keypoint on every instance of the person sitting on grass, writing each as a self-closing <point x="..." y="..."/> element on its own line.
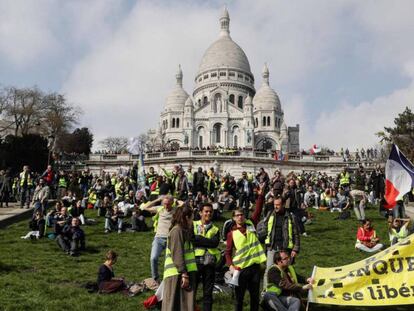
<point x="325" y="198"/>
<point x="52" y="215"/>
<point x="284" y="288"/>
<point x="398" y="229"/>
<point x="107" y="283"/>
<point x="113" y="219"/>
<point x="367" y="239"/>
<point x="78" y="211"/>
<point x="63" y="218"/>
<point x="37" y="225"/>
<point x="72" y="238"/>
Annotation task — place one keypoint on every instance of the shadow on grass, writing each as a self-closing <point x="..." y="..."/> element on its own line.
<point x="6" y="268"/>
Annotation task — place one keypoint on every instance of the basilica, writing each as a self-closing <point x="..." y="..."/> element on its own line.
<point x="225" y="110"/>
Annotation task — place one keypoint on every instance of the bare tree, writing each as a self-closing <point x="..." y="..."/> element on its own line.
<point x="114" y="144"/>
<point x="20" y="108"/>
<point x="58" y="115"/>
<point x="29" y="110"/>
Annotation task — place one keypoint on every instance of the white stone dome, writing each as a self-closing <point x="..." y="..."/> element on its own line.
<point x="178" y="96"/>
<point x="266" y="98"/>
<point x="224" y="53"/>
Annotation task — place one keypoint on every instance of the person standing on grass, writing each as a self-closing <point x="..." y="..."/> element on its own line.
<point x="206" y="241"/>
<point x="245" y="254"/>
<point x="282" y="232"/>
<point x="180" y="264"/>
<point x="162" y="223"/>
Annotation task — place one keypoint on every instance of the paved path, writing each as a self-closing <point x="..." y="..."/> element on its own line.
<point x="13" y="214"/>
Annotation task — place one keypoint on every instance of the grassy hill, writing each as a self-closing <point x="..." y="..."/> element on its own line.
<point x="36" y="275"/>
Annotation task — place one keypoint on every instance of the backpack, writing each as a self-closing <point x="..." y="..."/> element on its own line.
<point x="228" y="224"/>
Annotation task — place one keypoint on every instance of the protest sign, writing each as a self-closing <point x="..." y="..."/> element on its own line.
<point x="386" y="278"/>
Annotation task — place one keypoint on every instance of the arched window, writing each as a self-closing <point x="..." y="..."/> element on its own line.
<point x="173" y="123"/>
<point x="268" y="121"/>
<point x="199" y="102"/>
<point x="263" y="121"/>
<point x="236" y="141"/>
<point x="217" y="133"/>
<point x="205" y="100"/>
<point x="201" y="134"/>
<point x="240" y="102"/>
<point x="231" y="99"/>
<point x="256" y="123"/>
<point x="177" y="124"/>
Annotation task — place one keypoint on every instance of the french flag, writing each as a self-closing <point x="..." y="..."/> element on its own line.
<point x="399" y="177"/>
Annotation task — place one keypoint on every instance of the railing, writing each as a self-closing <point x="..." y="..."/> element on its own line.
<point x="226" y="153"/>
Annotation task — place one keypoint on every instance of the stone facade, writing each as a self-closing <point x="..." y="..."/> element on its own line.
<point x="225" y="110"/>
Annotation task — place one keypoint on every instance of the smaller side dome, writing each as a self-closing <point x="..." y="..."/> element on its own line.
<point x="266" y="98"/>
<point x="178" y="96"/>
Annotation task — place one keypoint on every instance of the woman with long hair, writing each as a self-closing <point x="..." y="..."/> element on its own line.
<point x="180" y="266"/>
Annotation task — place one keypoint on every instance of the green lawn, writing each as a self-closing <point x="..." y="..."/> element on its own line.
<point x="36" y="275"/>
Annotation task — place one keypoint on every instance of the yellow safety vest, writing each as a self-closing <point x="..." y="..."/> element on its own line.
<point x="274" y="288"/>
<point x="156" y="191"/>
<point x="29" y="180"/>
<point x="62" y="183"/>
<point x="249" y="251"/>
<point x="270" y="228"/>
<point x="209" y="235"/>
<point x="92" y="198"/>
<point x="403" y="233"/>
<point x="344" y="179"/>
<point x="189" y="258"/>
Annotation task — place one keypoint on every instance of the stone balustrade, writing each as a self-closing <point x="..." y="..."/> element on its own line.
<point x="216" y="153"/>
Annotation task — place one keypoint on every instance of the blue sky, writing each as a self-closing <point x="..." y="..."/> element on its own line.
<point x="343" y="69"/>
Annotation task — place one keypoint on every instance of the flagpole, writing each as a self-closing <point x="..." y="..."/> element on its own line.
<point x="310" y="291"/>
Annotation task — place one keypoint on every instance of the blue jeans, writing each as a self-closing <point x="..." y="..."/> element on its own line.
<point x="281" y="303"/>
<point x="159" y="244"/>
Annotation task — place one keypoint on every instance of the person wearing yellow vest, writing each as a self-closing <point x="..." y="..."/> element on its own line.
<point x="282" y="231"/>
<point x="163" y="215"/>
<point x="206" y="241"/>
<point x="62" y="183"/>
<point x="26" y="186"/>
<point x="245" y="254"/>
<point x="180" y="264"/>
<point x="398" y="229"/>
<point x="344" y="180"/>
<point x="284" y="287"/>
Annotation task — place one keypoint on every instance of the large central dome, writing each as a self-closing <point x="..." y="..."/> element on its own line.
<point x="224" y="53"/>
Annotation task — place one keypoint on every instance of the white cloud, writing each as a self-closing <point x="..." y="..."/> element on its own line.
<point x="24" y="31"/>
<point x="355" y="126"/>
<point x="125" y="58"/>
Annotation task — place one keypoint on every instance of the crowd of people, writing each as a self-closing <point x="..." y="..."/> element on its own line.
<point x="270" y="215"/>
